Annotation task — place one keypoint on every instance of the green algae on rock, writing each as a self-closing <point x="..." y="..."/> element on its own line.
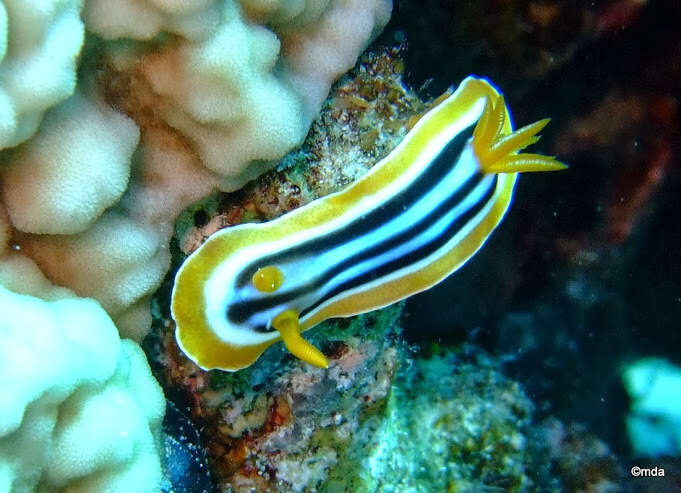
<point x="282" y="425"/>
<point x="454" y="422"/>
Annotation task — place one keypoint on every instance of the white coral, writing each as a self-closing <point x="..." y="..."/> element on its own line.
<point x="118" y="261"/>
<point x="41" y="40"/>
<point x="79" y="409"/>
<point x="144" y="19"/>
<point x="76" y="167"/>
<point x="223" y="95"/>
<point x="246" y="89"/>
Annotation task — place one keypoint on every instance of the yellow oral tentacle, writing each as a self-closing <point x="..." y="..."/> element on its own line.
<point x="289" y="328"/>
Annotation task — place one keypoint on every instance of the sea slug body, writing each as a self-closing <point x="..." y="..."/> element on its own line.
<point x="413" y="219"/>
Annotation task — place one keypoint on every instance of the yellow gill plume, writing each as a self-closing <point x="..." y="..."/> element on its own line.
<point x="498" y="152"/>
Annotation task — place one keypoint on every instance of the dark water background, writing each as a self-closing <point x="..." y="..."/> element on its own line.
<point x="584" y="275"/>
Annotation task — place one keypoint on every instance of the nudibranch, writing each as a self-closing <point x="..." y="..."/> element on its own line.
<point x="413" y="219"/>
